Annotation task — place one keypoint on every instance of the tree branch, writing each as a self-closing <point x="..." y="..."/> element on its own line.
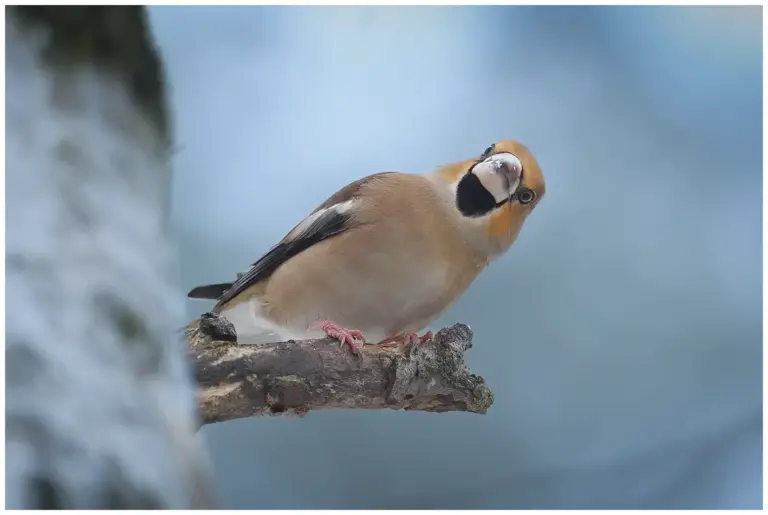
<point x="294" y="377"/>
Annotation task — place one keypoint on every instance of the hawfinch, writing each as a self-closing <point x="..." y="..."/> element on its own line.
<point x="385" y="255"/>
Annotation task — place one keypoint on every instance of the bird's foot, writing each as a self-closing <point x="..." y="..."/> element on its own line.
<point x="408" y="339"/>
<point x="413" y="338"/>
<point x="344" y="335"/>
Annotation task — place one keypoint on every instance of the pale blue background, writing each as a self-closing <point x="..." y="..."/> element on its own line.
<point x="621" y="335"/>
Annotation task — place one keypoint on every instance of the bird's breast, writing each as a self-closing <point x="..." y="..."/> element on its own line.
<point x="379" y="289"/>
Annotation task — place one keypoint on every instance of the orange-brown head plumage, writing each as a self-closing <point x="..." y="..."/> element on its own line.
<point x="495" y="192"/>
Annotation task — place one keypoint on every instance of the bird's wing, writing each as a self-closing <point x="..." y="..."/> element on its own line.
<point x="332" y="217"/>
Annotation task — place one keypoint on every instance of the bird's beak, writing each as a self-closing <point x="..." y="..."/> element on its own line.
<point x="509" y="167"/>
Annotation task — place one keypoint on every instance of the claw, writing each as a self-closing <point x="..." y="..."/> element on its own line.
<point x="425" y="337"/>
<point x="408" y="338"/>
<point x="344" y="335"/>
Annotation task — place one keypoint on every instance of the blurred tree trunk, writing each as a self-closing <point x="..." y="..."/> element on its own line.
<point x="100" y="407"/>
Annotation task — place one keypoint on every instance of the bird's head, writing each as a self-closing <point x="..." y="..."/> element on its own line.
<point x="495" y="191"/>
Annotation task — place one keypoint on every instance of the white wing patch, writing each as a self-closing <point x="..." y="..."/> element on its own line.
<point x="303" y="226"/>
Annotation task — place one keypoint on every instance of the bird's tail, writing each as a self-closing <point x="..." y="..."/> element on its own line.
<point x="209" y="291"/>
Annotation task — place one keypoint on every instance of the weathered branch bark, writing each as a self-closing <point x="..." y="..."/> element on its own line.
<point x="294" y="377"/>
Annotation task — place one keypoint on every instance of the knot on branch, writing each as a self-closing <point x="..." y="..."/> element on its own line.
<point x="286" y="394"/>
<point x="217" y="328"/>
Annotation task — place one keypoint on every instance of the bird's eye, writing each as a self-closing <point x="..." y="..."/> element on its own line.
<point x="488" y="151"/>
<point x="526" y="196"/>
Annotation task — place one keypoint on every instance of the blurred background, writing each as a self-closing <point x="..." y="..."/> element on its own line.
<point x="622" y="333"/>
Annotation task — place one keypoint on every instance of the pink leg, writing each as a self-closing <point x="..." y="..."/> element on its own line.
<point x="344" y="335"/>
<point x="409" y="338"/>
<point x="414" y="338"/>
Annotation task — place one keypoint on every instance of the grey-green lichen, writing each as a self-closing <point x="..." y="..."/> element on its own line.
<point x="115" y="37"/>
<point x="449" y="364"/>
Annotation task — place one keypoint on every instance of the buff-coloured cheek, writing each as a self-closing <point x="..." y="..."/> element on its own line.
<point x="503" y="221"/>
<point x="455" y="171"/>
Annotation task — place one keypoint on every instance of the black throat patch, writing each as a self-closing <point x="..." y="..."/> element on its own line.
<point x="473" y="199"/>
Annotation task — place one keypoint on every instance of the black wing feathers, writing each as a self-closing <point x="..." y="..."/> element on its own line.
<point x="329" y="224"/>
<point x="209" y="291"/>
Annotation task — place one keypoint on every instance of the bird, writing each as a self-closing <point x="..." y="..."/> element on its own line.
<point x="385" y="255"/>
